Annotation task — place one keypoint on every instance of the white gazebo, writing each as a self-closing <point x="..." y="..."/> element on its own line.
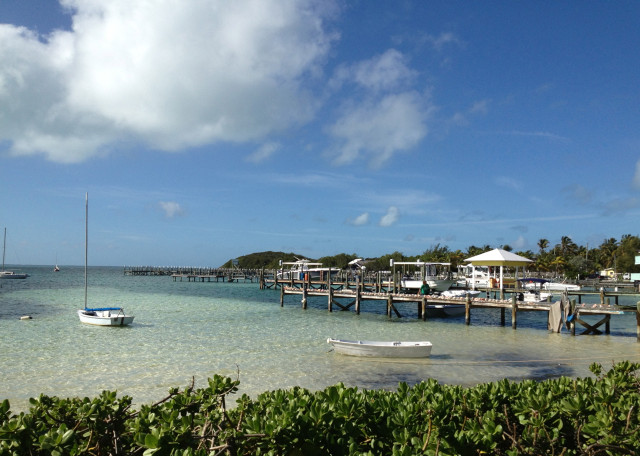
<point x="498" y="257"/>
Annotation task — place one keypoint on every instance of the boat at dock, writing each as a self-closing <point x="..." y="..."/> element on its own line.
<point x="533" y="290"/>
<point x="547" y="285"/>
<point x="305" y="269"/>
<point x="437" y="275"/>
<point x="381" y="349"/>
<point x="460" y="293"/>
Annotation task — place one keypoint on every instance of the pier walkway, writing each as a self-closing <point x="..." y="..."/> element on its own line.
<point x="570" y="312"/>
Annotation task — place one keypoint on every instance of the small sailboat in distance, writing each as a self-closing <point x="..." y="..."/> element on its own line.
<point x="100" y="316"/>
<point x="9" y="274"/>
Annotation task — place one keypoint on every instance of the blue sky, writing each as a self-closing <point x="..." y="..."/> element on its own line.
<point x="207" y="130"/>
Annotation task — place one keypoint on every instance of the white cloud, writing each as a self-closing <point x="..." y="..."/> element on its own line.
<point x="520" y="243"/>
<point x="380" y="116"/>
<point x="438" y="42"/>
<point x="360" y="220"/>
<point x="390" y="217"/>
<point x="166" y="73"/>
<point x="263" y="153"/>
<point x="479" y="107"/>
<point x="508" y="182"/>
<point x="171" y="209"/>
<point x="387" y="71"/>
<point x="380" y="128"/>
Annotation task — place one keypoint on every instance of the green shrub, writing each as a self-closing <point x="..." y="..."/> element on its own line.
<point x="586" y="416"/>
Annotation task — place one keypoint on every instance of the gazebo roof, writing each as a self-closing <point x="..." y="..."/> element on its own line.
<point x="498" y="257"/>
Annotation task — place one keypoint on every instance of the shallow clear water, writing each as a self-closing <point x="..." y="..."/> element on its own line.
<point x="186" y="329"/>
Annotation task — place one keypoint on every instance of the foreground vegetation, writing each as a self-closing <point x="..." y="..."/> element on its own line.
<point x="587" y="416"/>
<point x="563" y="259"/>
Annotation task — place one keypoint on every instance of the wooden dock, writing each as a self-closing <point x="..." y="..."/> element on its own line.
<point x="358" y="296"/>
<point x="195" y="274"/>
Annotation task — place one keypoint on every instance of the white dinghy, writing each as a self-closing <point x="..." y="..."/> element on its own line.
<point x="421" y="349"/>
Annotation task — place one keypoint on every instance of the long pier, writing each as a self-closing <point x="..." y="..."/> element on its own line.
<point x="569" y="311"/>
<point x="196" y="274"/>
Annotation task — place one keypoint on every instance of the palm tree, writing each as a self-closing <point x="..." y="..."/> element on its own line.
<point x="543" y="244"/>
<point x="607" y="252"/>
<point x="559" y="263"/>
<point x="567" y="246"/>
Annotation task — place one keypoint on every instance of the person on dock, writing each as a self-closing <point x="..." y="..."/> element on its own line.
<point x="425" y="289"/>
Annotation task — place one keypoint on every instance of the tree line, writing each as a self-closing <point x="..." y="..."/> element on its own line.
<point x="566" y="258"/>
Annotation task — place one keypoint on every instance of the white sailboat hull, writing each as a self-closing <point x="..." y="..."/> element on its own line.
<point x="12" y="275"/>
<point x="104" y="318"/>
<point x="381" y="349"/>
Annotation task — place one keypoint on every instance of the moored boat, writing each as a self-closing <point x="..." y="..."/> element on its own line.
<point x="305" y="269"/>
<point x="99" y="316"/>
<point x="437" y="275"/>
<point x="382" y="349"/>
<point x="105" y="316"/>
<point x="9" y="274"/>
<point x="543" y="284"/>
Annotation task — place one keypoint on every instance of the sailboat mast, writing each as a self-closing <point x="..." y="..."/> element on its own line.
<point x="86" y="244"/>
<point x="4" y="246"/>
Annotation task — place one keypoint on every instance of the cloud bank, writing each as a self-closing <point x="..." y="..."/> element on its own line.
<point x="165" y="73"/>
<point x="170" y="75"/>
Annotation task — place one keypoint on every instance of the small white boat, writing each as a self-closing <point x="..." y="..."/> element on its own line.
<point x="535" y="296"/>
<point x="100" y="316"/>
<point x="9" y="274"/>
<point x="105" y="316"/>
<point x="459" y="293"/>
<point x="543" y="284"/>
<point x="380" y="349"/>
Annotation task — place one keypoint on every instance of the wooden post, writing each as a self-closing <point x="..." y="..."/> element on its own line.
<point x="389" y="305"/>
<point x="281" y="296"/>
<point x="638" y="321"/>
<point x="574" y="312"/>
<point x="502" y="316"/>
<point x="304" y="294"/>
<point x="358" y="301"/>
<point x="467" y="310"/>
<point x="514" y="310"/>
<point x="330" y="292"/>
<point x="423" y="308"/>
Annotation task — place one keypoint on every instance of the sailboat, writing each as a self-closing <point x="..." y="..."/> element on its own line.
<point x="100" y="316"/>
<point x="9" y="274"/>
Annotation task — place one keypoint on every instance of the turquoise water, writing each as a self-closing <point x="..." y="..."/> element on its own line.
<point x="186" y="330"/>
